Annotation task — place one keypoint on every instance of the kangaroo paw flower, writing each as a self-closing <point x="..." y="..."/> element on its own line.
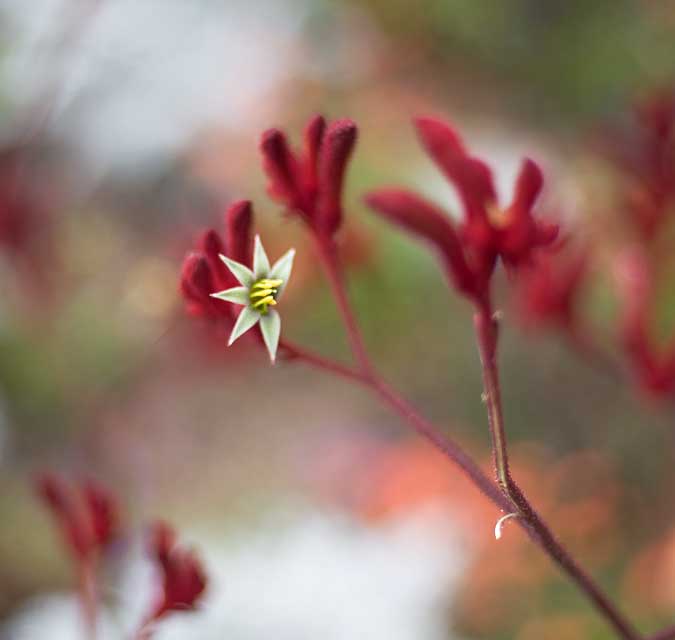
<point x="259" y="292"/>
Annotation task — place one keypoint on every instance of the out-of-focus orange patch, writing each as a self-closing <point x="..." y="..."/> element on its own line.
<point x="649" y="581"/>
<point x="406" y="477"/>
<point x="555" y="627"/>
<point x="578" y="495"/>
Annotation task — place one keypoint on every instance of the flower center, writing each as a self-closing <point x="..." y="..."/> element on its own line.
<point x="264" y="294"/>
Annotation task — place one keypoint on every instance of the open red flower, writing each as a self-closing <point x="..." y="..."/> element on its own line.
<point x="183" y="579"/>
<point x="309" y="181"/>
<point x="487" y="232"/>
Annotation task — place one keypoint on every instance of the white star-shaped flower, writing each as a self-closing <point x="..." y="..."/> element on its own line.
<point x="260" y="291"/>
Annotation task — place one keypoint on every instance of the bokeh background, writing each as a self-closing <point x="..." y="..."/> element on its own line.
<point x="316" y="512"/>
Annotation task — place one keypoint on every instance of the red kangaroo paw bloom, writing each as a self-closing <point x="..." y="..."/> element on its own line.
<point x="487" y="232"/>
<point x="309" y="182"/>
<point x="86" y="514"/>
<point x="654" y="370"/>
<point x="644" y="152"/>
<point x="183" y="579"/>
<point x="204" y="273"/>
<point x="281" y="168"/>
<point x="238" y="224"/>
<point x="334" y="153"/>
<point x="547" y="291"/>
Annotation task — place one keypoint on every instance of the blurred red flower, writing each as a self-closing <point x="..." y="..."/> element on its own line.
<point x="204" y="273"/>
<point x="183" y="578"/>
<point x="487" y="232"/>
<point x="547" y="291"/>
<point x="86" y="513"/>
<point x="309" y="182"/>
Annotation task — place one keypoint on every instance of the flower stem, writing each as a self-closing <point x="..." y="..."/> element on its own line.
<point x="292" y="351"/>
<point x="665" y="634"/>
<point x="408" y="413"/>
<point x="329" y="257"/>
<point x="487" y="334"/>
<point x="87" y="596"/>
<point x="510" y="497"/>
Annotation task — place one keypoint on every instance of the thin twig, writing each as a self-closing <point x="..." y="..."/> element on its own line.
<point x="329" y="257"/>
<point x="665" y="634"/>
<point x="291" y="351"/>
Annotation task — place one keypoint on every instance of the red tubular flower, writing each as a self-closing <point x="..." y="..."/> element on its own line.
<point x="183" y="578"/>
<point x="415" y="214"/>
<point x="238" y="222"/>
<point x="103" y="512"/>
<point x="310" y="183"/>
<point x="654" y="371"/>
<point x="547" y="292"/>
<point x="645" y="153"/>
<point x="203" y="273"/>
<point x="487" y="232"/>
<point x="19" y="215"/>
<point x="86" y="513"/>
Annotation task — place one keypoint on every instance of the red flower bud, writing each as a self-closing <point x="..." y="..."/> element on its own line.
<point x="183" y="578"/>
<point x="86" y="514"/>
<point x="336" y="148"/>
<point x="309" y="182"/>
<point x="212" y="246"/>
<point x="238" y="220"/>
<point x="314" y="132"/>
<point x="103" y="512"/>
<point x="196" y="283"/>
<point x="281" y="168"/>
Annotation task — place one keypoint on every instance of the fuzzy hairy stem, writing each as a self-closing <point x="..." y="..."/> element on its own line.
<point x="408" y="414"/>
<point x="329" y="258"/>
<point x="486" y="328"/>
<point x="508" y="496"/>
<point x="665" y="634"/>
<point x="291" y="351"/>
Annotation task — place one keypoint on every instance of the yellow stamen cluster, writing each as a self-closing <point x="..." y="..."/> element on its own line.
<point x="263" y="294"/>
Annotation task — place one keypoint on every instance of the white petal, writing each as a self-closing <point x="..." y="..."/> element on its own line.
<point x="239" y="271"/>
<point x="270" y="326"/>
<point x="247" y="318"/>
<point x="282" y="269"/>
<point x="261" y="263"/>
<point x="238" y="295"/>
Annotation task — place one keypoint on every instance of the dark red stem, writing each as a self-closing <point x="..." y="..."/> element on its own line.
<point x="487" y="336"/>
<point x="510" y="498"/>
<point x="329" y="258"/>
<point x="665" y="634"/>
